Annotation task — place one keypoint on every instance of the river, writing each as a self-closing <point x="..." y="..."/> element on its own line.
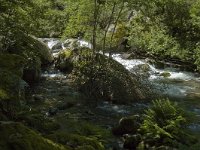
<point x="183" y="87"/>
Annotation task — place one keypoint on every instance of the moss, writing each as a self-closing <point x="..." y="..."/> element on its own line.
<point x="75" y="140"/>
<point x="18" y="137"/>
<point x="26" y="44"/>
<point x="127" y="125"/>
<point x="85" y="147"/>
<point x="11" y="92"/>
<point x="13" y="63"/>
<point x="10" y="84"/>
<point x="64" y="62"/>
<point x="65" y="54"/>
<point x="38" y="122"/>
<point x="95" y="133"/>
<point x="3" y="94"/>
<point x="35" y="53"/>
<point x="165" y="74"/>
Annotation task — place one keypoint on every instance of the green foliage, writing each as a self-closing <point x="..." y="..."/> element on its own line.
<point x="38" y="122"/>
<point x="3" y="94"/>
<point x="76" y="140"/>
<point x="53" y="19"/>
<point x="12" y="91"/>
<point x="197" y="56"/>
<point x="35" y="53"/>
<point x="165" y="124"/>
<point x="166" y="28"/>
<point x="16" y="17"/>
<point x="17" y="136"/>
<point x="11" y="84"/>
<point x="81" y="23"/>
<point x="13" y="63"/>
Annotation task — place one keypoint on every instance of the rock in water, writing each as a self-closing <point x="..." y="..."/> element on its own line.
<point x="127" y="125"/>
<point x="165" y="74"/>
<point x="57" y="46"/>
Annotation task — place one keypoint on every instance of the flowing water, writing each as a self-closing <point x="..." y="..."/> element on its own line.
<point x="180" y="86"/>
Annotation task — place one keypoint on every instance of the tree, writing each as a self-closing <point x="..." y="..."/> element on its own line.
<point x="92" y="20"/>
<point x="17" y="17"/>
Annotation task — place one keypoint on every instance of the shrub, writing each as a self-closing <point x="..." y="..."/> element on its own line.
<point x="164" y="125"/>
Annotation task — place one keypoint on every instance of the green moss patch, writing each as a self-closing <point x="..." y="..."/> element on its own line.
<point x="13" y="63"/>
<point x="16" y="136"/>
<point x="75" y="140"/>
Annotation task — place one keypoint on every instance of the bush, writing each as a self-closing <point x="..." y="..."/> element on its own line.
<point x="165" y="125"/>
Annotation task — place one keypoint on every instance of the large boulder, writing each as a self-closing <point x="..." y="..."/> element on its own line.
<point x="27" y="46"/>
<point x="127" y="125"/>
<point x="12" y="87"/>
<point x="12" y="91"/>
<point x="36" y="54"/>
<point x="101" y="77"/>
<point x="165" y="74"/>
<point x="13" y="63"/>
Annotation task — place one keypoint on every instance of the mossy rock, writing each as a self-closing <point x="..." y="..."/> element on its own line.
<point x="38" y="122"/>
<point x="165" y="74"/>
<point x="64" y="61"/>
<point x="85" y="128"/>
<point x="35" y="53"/>
<point x="15" y="136"/>
<point x="27" y="44"/>
<point x="11" y="71"/>
<point x="103" y="78"/>
<point x="11" y="84"/>
<point x="127" y="125"/>
<point x="76" y="141"/>
<point x="32" y="70"/>
<point x="85" y="147"/>
<point x="11" y="92"/>
<point x="13" y="63"/>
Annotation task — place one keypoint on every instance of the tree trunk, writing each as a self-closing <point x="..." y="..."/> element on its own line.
<point x="108" y="25"/>
<point x="115" y="26"/>
<point x="94" y="26"/>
